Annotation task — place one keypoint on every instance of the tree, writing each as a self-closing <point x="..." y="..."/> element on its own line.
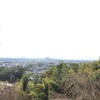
<point x="25" y="81"/>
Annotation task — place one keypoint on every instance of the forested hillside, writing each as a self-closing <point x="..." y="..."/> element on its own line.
<point x="66" y="81"/>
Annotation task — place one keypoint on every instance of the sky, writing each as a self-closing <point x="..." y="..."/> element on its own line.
<point x="66" y="29"/>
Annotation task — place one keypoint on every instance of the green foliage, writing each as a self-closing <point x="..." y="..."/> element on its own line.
<point x="96" y="75"/>
<point x="42" y="96"/>
<point x="25" y="79"/>
<point x="62" y="78"/>
<point x="11" y="74"/>
<point x="30" y="86"/>
<point x="53" y="85"/>
<point x="75" y="67"/>
<point x="36" y="79"/>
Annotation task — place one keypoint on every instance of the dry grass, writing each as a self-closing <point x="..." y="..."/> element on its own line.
<point x="6" y="91"/>
<point x="79" y="87"/>
<point x="12" y="92"/>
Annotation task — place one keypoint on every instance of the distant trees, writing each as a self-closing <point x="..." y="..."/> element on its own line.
<point x="11" y="74"/>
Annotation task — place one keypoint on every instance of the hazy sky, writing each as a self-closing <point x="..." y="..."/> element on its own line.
<point x="50" y="28"/>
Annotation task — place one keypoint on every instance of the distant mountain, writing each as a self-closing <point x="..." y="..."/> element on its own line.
<point x="47" y="59"/>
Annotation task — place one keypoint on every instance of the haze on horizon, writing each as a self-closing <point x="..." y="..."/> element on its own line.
<point x="66" y="29"/>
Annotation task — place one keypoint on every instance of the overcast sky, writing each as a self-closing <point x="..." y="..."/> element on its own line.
<point x="50" y="28"/>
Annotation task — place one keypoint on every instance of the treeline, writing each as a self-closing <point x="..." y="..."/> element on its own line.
<point x="11" y="74"/>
